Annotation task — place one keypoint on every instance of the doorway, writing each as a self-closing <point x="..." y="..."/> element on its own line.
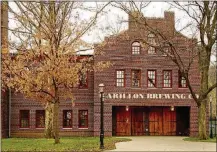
<point x="183" y="121"/>
<point x="139" y="121"/>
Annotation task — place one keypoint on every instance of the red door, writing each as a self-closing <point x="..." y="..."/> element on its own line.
<point x="137" y="121"/>
<point x="123" y="122"/>
<point x="169" y="121"/>
<point x="140" y="121"/>
<point x="155" y="121"/>
<point x="162" y="121"/>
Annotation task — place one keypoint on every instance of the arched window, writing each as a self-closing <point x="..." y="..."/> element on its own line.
<point x="151" y="42"/>
<point x="136" y="48"/>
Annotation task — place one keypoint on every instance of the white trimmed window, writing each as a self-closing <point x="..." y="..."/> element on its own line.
<point x="182" y="81"/>
<point x="167" y="79"/>
<point x="152" y="78"/>
<point x="152" y="42"/>
<point x="136" y="78"/>
<point x="136" y="48"/>
<point x="120" y="78"/>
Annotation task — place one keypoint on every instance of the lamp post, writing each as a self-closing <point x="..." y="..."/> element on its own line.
<point x="211" y="134"/>
<point x="101" y="87"/>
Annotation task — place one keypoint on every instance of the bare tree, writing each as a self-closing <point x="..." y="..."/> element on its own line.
<point x="204" y="15"/>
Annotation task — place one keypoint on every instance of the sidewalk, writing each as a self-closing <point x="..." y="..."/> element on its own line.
<point x="159" y="143"/>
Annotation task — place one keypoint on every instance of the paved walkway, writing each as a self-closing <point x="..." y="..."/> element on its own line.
<point x="159" y="143"/>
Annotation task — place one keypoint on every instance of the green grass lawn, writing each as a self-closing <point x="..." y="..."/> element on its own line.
<point x="66" y="144"/>
<point x="198" y="140"/>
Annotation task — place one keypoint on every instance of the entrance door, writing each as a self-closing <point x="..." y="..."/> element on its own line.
<point x="123" y="122"/>
<point x="155" y="121"/>
<point x="137" y="121"/>
<point x="169" y="122"/>
<point x="162" y="121"/>
<point x="144" y="121"/>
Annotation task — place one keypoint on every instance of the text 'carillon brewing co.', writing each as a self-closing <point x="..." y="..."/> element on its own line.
<point x="146" y="96"/>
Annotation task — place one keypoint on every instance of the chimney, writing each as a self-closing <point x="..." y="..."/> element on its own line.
<point x="4" y="26"/>
<point x="170" y="18"/>
<point x="133" y="17"/>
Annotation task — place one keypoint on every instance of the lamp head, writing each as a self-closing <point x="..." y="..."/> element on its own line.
<point x="127" y="108"/>
<point x="101" y="87"/>
<point x="172" y="108"/>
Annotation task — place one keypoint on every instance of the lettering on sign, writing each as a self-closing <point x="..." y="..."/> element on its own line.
<point x="147" y="96"/>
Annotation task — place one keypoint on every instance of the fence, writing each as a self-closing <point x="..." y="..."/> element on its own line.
<point x="213" y="121"/>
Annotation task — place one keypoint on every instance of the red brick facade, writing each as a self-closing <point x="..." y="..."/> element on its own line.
<point x="4" y="114"/>
<point x="118" y="51"/>
<point x="83" y="101"/>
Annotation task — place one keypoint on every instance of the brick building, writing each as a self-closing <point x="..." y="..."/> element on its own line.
<point x="144" y="92"/>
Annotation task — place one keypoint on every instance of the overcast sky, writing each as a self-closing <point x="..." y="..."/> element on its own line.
<point x="113" y="16"/>
<point x="154" y="9"/>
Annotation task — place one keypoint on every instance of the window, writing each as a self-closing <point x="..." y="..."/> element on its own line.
<point x="120" y="78"/>
<point x="167" y="78"/>
<point x="82" y="80"/>
<point x="166" y="50"/>
<point x="136" y="48"/>
<point x="83" y="119"/>
<point x="40" y="118"/>
<point x="136" y="78"/>
<point x="182" y="81"/>
<point x="24" y="118"/>
<point x="152" y="78"/>
<point x="67" y="118"/>
<point x="151" y="41"/>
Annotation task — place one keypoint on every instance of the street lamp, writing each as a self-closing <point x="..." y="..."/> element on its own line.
<point x="211" y="134"/>
<point x="101" y="87"/>
<point x="127" y="108"/>
<point x="172" y="108"/>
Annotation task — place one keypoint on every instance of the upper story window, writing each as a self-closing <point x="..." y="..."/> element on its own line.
<point x="167" y="79"/>
<point x="83" y="119"/>
<point x="152" y="42"/>
<point x="166" y="50"/>
<point x="136" y="48"/>
<point x="24" y="118"/>
<point x="40" y="118"/>
<point x="152" y="78"/>
<point x="82" y="80"/>
<point x="182" y="81"/>
<point x="67" y="118"/>
<point x="136" y="78"/>
<point x="120" y="78"/>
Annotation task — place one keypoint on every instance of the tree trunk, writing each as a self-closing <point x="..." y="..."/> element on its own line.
<point x="204" y="71"/>
<point x="56" y="122"/>
<point x="202" y="120"/>
<point x="49" y="121"/>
